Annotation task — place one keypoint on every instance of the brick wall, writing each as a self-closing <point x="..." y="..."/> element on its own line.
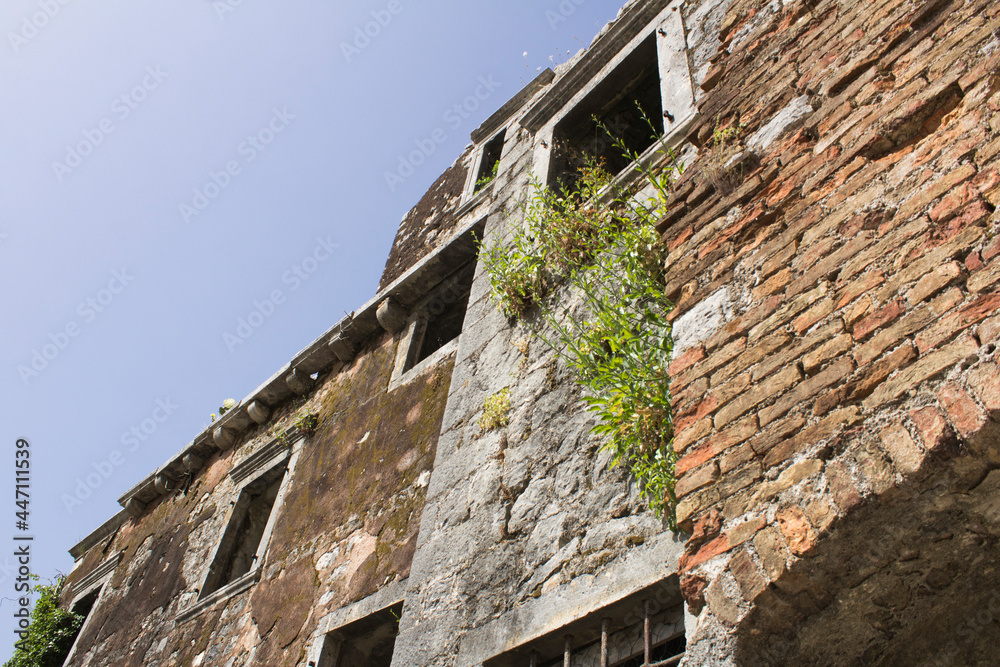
<point x="856" y="239"/>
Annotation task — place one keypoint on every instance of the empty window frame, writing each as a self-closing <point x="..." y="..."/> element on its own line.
<point x="625" y="107"/>
<point x="367" y="642"/>
<point x="490" y="161"/>
<point x="645" y="637"/>
<point x="440" y="319"/>
<point x="240" y="549"/>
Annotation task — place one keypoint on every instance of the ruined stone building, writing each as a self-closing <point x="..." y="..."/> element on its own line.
<point x="835" y="391"/>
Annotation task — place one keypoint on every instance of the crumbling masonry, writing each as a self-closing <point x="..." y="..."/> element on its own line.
<point x="832" y="253"/>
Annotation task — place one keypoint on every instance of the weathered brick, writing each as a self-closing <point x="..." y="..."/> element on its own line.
<point x="985" y="383"/>
<point x="934" y="430"/>
<point x="772" y="551"/>
<point x="698" y="411"/>
<point x="915" y="320"/>
<point x="745" y="531"/>
<point x="814" y="314"/>
<point x="812" y="435"/>
<point x="720" y="357"/>
<point x="776" y="282"/>
<point x="690" y="357"/>
<point x="984" y="278"/>
<point x="693" y="459"/>
<point x="989" y="329"/>
<point x="934" y="281"/>
<point x="821" y="513"/>
<point x="697" y="479"/>
<point x="952" y="202"/>
<point x="906" y="454"/>
<point x="738" y="480"/>
<point x="893" y="240"/>
<point x="780" y="259"/>
<point x="693" y="504"/>
<point x="812" y="361"/>
<point x="711" y="549"/>
<point x="831" y="262"/>
<point x="960" y="243"/>
<point x="836" y="372"/>
<point x="855" y="288"/>
<point x="732" y="388"/>
<point x="958" y="321"/>
<point x="927" y="367"/>
<point x="777" y="432"/>
<point x="789" y="354"/>
<point x="772" y="386"/>
<point x="880" y="317"/>
<point x="798" y="532"/>
<point x="736" y="457"/>
<point x="965" y="414"/>
<point x="747" y="575"/>
<point x="842" y="487"/>
<point x="875" y="468"/>
<point x="694" y="432"/>
<point x="684" y="400"/>
<point x="786" y="311"/>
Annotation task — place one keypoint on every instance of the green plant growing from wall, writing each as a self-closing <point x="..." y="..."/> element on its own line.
<point x="495" y="409"/>
<point x="599" y="240"/>
<point x="50" y="633"/>
<point x="488" y="177"/>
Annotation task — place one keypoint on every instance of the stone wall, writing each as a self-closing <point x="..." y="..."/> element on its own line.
<point x="346" y="528"/>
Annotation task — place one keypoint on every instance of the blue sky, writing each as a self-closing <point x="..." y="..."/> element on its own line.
<point x="168" y="167"/>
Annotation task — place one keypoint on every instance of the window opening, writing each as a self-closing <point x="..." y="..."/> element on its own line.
<point x="628" y="103"/>
<point x="491" y="161"/>
<point x="367" y="642"/>
<point x="445" y="313"/>
<point x="654" y="639"/>
<point x="237" y="553"/>
<point x="85" y="605"/>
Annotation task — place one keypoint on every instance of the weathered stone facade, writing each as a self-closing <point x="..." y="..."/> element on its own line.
<point x="833" y="260"/>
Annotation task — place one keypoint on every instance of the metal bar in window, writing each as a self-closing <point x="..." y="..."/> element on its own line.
<point x="669" y="662"/>
<point x="534" y="659"/>
<point x="647" y="645"/>
<point x="605" y="623"/>
<point x="568" y="651"/>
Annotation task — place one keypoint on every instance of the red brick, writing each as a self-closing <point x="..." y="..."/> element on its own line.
<point x="959" y="321"/>
<point x="693" y="459"/>
<point x="807" y="389"/>
<point x="882" y="316"/>
<point x="774" y="385"/>
<point x="933" y="428"/>
<point x="921" y="199"/>
<point x="950" y="204"/>
<point x="967" y="417"/>
<point x="690" y="357"/>
<point x="692" y="433"/>
<point x="934" y="281"/>
<point x="698" y="411"/>
<point x="798" y="532"/>
<point x="925" y="368"/>
<point x="709" y="550"/>
<point x="985" y="383"/>
<point x="819" y="432"/>
<point x="984" y="278"/>
<point x="818" y="311"/>
<point x="989" y="329"/>
<point x="855" y="288"/>
<point x="706" y="527"/>
<point x="697" y="479"/>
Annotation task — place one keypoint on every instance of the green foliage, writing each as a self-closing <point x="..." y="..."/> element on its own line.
<point x="50" y="634"/>
<point x="486" y="179"/>
<point x="600" y="241"/>
<point x="495" y="410"/>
